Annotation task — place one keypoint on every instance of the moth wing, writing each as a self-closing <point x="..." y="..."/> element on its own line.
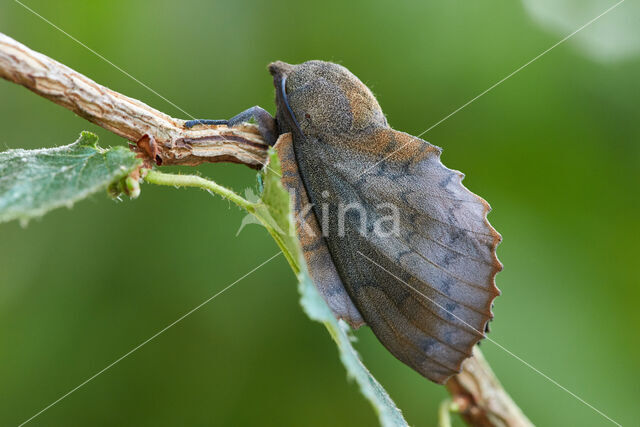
<point x="426" y="289"/>
<point x="314" y="248"/>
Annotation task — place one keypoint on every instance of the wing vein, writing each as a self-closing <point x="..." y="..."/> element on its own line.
<point x="406" y="339"/>
<point x="441" y="268"/>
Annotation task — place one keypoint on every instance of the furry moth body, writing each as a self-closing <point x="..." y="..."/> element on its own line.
<point x="427" y="290"/>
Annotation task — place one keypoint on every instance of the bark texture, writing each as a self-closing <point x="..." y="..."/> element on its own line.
<point x="165" y="139"/>
<point x="481" y="399"/>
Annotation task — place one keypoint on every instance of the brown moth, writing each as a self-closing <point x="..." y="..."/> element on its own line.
<point x="424" y="283"/>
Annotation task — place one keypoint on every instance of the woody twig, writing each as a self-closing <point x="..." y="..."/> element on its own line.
<point x="480" y="398"/>
<point x="163" y="138"/>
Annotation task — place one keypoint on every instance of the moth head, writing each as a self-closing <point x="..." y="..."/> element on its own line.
<point x="324" y="99"/>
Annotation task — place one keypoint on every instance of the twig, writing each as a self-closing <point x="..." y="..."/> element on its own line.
<point x="476" y="392"/>
<point x="161" y="135"/>
<point x="480" y="398"/>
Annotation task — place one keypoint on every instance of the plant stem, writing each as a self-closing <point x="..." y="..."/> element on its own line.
<point x="480" y="398"/>
<point x="173" y="180"/>
<point x="444" y="412"/>
<point x="161" y="178"/>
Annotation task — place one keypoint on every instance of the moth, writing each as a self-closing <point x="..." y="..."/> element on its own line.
<point x="424" y="281"/>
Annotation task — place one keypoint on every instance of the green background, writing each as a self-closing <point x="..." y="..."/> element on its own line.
<point x="554" y="149"/>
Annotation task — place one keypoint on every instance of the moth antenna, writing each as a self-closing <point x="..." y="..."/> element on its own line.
<point x="286" y="103"/>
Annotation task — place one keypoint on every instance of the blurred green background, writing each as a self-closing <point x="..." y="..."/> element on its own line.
<point x="555" y="150"/>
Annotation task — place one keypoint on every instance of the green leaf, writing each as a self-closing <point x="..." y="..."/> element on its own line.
<point x="33" y="182"/>
<point x="273" y="211"/>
